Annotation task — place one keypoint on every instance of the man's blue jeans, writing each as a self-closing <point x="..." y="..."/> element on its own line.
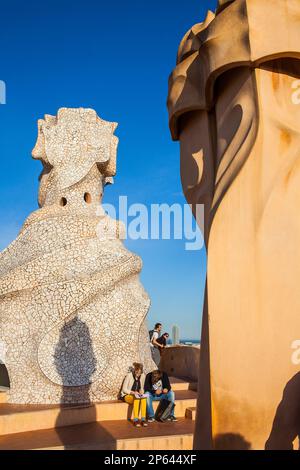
<point x="151" y="398"/>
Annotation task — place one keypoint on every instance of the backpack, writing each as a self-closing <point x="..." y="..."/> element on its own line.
<point x="151" y="334"/>
<point x="164" y="410"/>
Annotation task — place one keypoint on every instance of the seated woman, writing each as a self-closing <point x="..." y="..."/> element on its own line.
<point x="133" y="393"/>
<point x="158" y="386"/>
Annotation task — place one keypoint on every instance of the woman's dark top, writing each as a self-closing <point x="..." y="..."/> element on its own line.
<point x="162" y="340"/>
<point x="136" y="387"/>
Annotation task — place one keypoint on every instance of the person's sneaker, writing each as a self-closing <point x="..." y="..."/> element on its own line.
<point x="136" y="423"/>
<point x="173" y="419"/>
<point x="144" y="423"/>
<point x="151" y="420"/>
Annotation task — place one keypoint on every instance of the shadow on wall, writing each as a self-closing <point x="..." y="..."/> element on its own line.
<point x="285" y="428"/>
<point x="4" y="377"/>
<point x="75" y="363"/>
<point x="230" y="441"/>
<point x="286" y="424"/>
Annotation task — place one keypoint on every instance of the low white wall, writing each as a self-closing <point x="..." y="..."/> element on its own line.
<point x="181" y="361"/>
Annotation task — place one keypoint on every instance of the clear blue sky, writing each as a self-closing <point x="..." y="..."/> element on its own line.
<point x="114" y="57"/>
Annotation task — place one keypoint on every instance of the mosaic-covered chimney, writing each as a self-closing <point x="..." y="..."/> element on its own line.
<point x="72" y="308"/>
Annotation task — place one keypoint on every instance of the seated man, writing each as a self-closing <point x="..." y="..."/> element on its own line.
<point x="158" y="386"/>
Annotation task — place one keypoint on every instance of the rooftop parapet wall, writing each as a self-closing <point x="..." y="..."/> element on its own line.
<point x="181" y="361"/>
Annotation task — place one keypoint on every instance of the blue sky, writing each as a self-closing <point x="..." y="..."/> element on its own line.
<point x="114" y="57"/>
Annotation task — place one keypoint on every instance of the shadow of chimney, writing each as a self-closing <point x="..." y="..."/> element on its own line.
<point x="76" y="363"/>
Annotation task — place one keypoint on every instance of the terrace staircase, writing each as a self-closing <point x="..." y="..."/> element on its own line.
<point x="102" y="425"/>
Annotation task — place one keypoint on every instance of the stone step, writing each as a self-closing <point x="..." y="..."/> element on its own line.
<point x="25" y="418"/>
<point x="182" y="384"/>
<point x="107" y="435"/>
<point x="3" y="396"/>
<point x="191" y="413"/>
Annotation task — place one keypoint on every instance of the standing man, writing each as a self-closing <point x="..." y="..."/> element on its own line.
<point x="155" y="346"/>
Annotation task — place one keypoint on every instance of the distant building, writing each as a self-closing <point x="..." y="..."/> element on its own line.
<point x="175" y="334"/>
<point x="2" y="92"/>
